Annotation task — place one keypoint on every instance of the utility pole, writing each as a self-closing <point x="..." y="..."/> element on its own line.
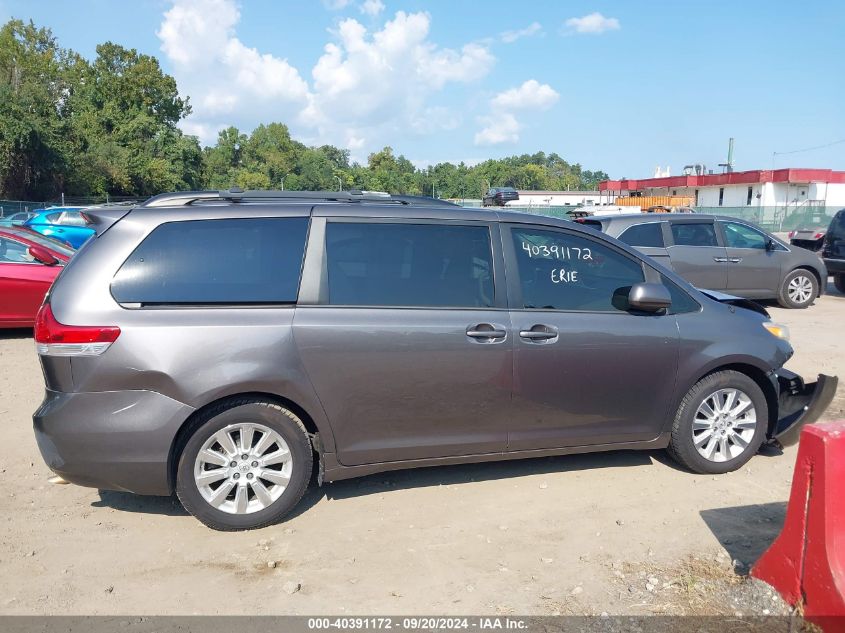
<point x="339" y="183"/>
<point x="283" y="181"/>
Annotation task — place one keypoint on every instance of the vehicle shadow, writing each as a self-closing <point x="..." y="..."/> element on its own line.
<point x="746" y="531"/>
<point x="405" y="480"/>
<point x="469" y="473"/>
<point x="128" y="502"/>
<point x="16" y="333"/>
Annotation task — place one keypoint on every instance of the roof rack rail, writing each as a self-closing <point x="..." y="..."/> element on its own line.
<point x="185" y="198"/>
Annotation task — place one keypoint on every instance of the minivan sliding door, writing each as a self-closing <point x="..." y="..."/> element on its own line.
<point x="408" y="340"/>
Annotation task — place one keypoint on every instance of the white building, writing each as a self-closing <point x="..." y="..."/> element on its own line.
<point x="778" y="191"/>
<point x="529" y="198"/>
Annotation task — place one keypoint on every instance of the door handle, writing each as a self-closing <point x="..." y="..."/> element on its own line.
<point x="735" y="260"/>
<point x="539" y="333"/>
<point x="721" y="260"/>
<point x="486" y="331"/>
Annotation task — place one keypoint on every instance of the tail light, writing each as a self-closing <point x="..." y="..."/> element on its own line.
<point x="818" y="236"/>
<point x="792" y="234"/>
<point x="56" y="339"/>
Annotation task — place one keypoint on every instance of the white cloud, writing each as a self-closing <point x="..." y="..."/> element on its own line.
<point x="222" y="75"/>
<point x="336" y="5"/>
<point x="501" y="125"/>
<point x="372" y="7"/>
<point x="365" y="87"/>
<point x="508" y="37"/>
<point x="592" y="24"/>
<point x="382" y="80"/>
<point x="530" y="95"/>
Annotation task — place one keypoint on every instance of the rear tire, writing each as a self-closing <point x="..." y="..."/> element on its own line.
<point x="734" y="439"/>
<point x="245" y="464"/>
<point x="799" y="289"/>
<point x="839" y="282"/>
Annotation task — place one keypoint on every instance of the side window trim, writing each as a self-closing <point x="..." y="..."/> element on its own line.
<point x="314" y="287"/>
<point x="515" y="299"/>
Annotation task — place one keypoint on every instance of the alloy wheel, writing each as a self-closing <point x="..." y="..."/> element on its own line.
<point x="800" y="289"/>
<point x="724" y="425"/>
<point x="243" y="468"/>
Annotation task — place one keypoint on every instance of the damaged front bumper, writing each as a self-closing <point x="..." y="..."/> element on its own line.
<point x="800" y="403"/>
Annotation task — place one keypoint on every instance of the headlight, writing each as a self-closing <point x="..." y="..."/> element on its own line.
<point x="775" y="329"/>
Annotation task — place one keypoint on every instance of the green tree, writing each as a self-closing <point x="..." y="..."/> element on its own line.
<point x="34" y="130"/>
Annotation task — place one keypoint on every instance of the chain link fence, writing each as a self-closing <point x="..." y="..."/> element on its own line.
<point x="779" y="218"/>
<point x="11" y="207"/>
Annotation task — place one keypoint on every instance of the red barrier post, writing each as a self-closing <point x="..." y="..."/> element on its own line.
<point x="806" y="563"/>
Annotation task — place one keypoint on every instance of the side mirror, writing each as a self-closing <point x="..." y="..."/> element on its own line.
<point x="42" y="255"/>
<point x="649" y="297"/>
<point x="771" y="245"/>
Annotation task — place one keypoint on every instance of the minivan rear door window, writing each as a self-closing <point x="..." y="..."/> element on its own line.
<point x="402" y="264"/>
<point x="649" y="234"/>
<point x="215" y="262"/>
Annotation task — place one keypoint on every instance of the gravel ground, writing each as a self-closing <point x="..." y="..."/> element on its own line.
<point x="618" y="533"/>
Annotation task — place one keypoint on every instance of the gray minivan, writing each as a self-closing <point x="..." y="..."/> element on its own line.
<point x="220" y="345"/>
<point x="722" y="253"/>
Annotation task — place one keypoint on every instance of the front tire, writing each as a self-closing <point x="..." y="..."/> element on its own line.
<point x="245" y="464"/>
<point x="799" y="289"/>
<point x="720" y="424"/>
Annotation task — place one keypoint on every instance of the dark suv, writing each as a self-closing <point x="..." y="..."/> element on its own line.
<point x="499" y="196"/>
<point x="833" y="250"/>
<point x="220" y="344"/>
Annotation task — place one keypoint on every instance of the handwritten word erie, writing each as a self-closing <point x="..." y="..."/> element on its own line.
<point x="561" y="276"/>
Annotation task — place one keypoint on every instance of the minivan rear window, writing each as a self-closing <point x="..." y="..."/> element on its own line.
<point x="213" y="262"/>
<point x="403" y="264"/>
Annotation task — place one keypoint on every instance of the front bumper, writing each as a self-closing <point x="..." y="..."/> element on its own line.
<point x="800" y="404"/>
<point x="113" y="440"/>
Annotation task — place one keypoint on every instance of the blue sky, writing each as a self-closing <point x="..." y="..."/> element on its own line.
<point x="618" y="86"/>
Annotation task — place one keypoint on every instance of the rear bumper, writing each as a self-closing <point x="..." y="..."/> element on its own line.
<point x="834" y="266"/>
<point x="113" y="440"/>
<point x="800" y="404"/>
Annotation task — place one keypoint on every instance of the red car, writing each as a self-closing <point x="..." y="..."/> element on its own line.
<point x="29" y="262"/>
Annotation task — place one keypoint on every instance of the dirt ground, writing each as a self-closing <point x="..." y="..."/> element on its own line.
<point x="621" y="533"/>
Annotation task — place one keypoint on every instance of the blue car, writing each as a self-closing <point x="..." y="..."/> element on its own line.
<point x="63" y="223"/>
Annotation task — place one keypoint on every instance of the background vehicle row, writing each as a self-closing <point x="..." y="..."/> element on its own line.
<point x="723" y="254"/>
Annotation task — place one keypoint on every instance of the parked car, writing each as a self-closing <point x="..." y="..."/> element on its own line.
<point x="833" y="250"/>
<point x="811" y="227"/>
<point x="221" y="343"/>
<point x="64" y="223"/>
<point x="724" y="254"/>
<point x="16" y="218"/>
<point x="499" y="196"/>
<point x="29" y="262"/>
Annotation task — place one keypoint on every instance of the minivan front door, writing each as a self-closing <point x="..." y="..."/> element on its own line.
<point x="754" y="270"/>
<point x="409" y="344"/>
<point x="696" y="254"/>
<point x="586" y="370"/>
